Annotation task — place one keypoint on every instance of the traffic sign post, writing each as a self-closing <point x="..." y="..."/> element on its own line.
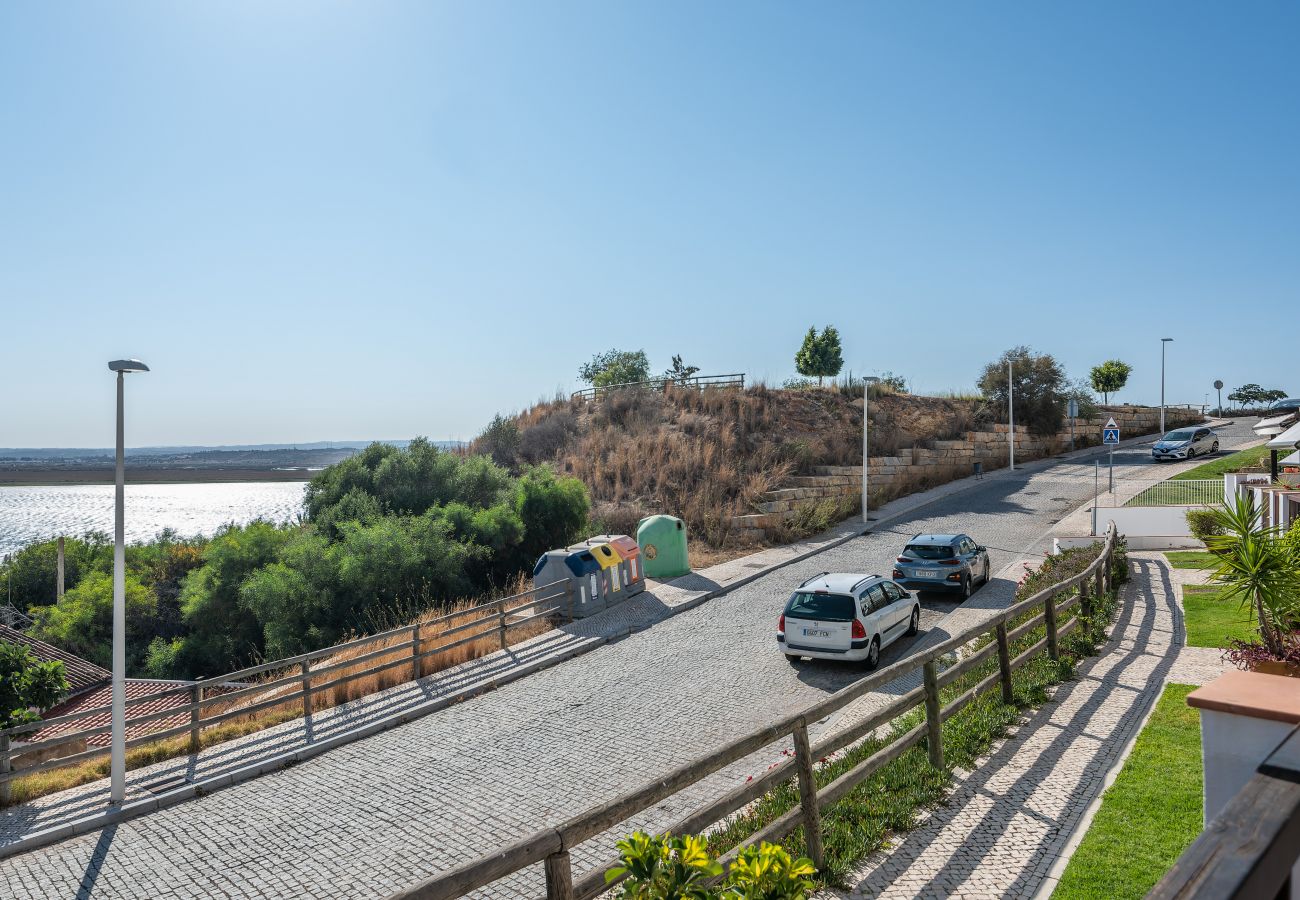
<point x="1110" y="437"/>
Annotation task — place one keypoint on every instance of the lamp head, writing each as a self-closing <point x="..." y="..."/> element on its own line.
<point x="127" y="365"/>
<point x="871" y="379"/>
<point x="1166" y="340"/>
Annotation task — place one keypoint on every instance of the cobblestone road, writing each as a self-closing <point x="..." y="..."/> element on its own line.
<point x="377" y="815"/>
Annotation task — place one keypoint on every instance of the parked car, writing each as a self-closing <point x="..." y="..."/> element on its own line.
<point x="1184" y="443"/>
<point x="1290" y="404"/>
<point x="943" y="562"/>
<point x="846" y="616"/>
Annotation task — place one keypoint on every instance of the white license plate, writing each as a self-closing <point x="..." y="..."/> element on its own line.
<point x="815" y="632"/>
<point x="927" y="573"/>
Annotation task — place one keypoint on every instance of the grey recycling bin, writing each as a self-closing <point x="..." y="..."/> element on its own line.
<point x="582" y="570"/>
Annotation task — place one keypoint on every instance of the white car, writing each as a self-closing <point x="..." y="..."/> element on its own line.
<point x="846" y="616"/>
<point x="1184" y="443"/>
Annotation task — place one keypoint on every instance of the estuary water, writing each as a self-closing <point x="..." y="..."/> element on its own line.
<point x="35" y="513"/>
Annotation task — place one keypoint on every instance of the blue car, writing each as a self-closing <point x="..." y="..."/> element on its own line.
<point x="942" y="562"/>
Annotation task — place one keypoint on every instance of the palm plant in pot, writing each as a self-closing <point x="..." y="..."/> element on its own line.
<point x="1259" y="570"/>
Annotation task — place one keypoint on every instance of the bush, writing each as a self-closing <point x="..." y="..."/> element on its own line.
<point x="1204" y="524"/>
<point x="671" y="867"/>
<point x="544" y="441"/>
<point x="1040" y="386"/>
<point x="27" y="684"/>
<point x="499" y="440"/>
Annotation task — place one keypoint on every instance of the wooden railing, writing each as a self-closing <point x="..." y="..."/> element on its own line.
<point x="551" y="846"/>
<point x="410" y="644"/>
<point x="698" y="382"/>
<point x="1249" y="849"/>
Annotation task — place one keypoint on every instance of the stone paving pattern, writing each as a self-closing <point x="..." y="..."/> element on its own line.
<point x="373" y="816"/>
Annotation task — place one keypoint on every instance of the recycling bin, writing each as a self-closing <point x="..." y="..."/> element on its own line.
<point x="633" y="579"/>
<point x="611" y="567"/>
<point x="662" y="540"/>
<point x="579" y="566"/>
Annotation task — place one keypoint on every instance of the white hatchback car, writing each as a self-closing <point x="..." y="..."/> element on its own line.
<point x="846" y="616"/>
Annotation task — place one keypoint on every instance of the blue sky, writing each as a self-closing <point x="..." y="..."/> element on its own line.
<point x="367" y="220"/>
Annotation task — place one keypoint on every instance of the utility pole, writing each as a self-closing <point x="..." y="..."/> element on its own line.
<point x="867" y="382"/>
<point x="1011" y="416"/>
<point x="1163" y="342"/>
<point x="58" y="596"/>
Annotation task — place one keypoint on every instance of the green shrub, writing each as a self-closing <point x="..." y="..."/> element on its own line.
<point x="669" y="867"/>
<point x="1204" y="524"/>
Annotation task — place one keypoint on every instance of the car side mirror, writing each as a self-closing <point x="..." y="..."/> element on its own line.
<point x="907" y="595"/>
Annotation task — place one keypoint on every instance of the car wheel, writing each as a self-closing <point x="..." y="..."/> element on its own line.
<point x="987" y="570"/>
<point x="793" y="659"/>
<point x="1214" y="448"/>
<point x="965" y="588"/>
<point x="915" y="625"/>
<point x="873" y="655"/>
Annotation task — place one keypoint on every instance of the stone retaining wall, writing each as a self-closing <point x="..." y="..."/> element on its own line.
<point x="920" y="468"/>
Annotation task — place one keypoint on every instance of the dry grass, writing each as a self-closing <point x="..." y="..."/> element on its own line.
<point x="51" y="781"/>
<point x="708" y="456"/>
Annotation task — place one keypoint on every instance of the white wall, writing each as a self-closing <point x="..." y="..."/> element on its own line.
<point x="1141" y="521"/>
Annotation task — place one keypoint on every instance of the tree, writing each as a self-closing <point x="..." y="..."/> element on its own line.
<point x="820" y="355"/>
<point x="27" y="685"/>
<point x="616" y="367"/>
<point x="1110" y="377"/>
<point x="1254" y="395"/>
<point x="1041" y="389"/>
<point x="500" y="440"/>
<point x="679" y="372"/>
<point x="83" y="622"/>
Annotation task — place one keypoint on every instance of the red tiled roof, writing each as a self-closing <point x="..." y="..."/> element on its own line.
<point x="103" y="696"/>
<point x="82" y="673"/>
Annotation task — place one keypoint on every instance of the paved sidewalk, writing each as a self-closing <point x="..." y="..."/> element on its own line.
<point x="1007" y="823"/>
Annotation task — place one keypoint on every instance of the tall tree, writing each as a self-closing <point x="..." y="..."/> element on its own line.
<point x="1041" y="389"/>
<point x="820" y="355"/>
<point x="1253" y="395"/>
<point x="1110" y="377"/>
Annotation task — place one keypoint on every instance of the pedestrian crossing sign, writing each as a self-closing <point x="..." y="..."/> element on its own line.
<point x="1110" y="432"/>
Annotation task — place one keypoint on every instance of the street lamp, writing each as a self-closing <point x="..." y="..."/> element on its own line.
<point x="1011" y="417"/>
<point x="117" y="764"/>
<point x="867" y="382"/>
<point x="1163" y="341"/>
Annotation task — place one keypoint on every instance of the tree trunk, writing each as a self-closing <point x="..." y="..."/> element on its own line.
<point x="1266" y="630"/>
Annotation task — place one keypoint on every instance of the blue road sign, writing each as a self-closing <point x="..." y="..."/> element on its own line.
<point x="1110" y="435"/>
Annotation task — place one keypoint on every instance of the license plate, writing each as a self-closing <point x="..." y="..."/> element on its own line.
<point x="927" y="573"/>
<point x="815" y="632"/>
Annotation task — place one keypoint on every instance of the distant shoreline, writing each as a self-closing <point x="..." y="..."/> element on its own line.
<point x="41" y="477"/>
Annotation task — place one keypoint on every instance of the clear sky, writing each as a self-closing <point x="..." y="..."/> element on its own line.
<point x="329" y="221"/>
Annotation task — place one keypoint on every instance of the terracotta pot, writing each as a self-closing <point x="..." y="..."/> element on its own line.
<point x="1276" y="667"/>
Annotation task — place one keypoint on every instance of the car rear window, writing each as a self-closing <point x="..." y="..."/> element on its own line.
<point x="928" y="551"/>
<point x="827" y="607"/>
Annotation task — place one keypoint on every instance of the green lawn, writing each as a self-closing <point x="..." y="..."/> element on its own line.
<point x="1150" y="815"/>
<point x="1216" y="468"/>
<point x="1190" y="559"/>
<point x="1213" y="621"/>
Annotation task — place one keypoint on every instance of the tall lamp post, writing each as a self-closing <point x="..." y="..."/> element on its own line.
<point x="1163" y="342"/>
<point x="117" y="762"/>
<point x="1011" y="417"/>
<point x="867" y="382"/>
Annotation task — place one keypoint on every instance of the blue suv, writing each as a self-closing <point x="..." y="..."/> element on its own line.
<point x="942" y="562"/>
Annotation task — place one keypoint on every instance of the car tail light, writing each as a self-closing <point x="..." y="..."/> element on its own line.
<point x="901" y="559"/>
<point x="780" y="626"/>
<point x="955" y="576"/>
<point x="897" y="574"/>
<point x="950" y="562"/>
<point x="859" y="630"/>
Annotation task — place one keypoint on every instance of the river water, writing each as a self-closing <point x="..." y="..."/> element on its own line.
<point x="34" y="513"/>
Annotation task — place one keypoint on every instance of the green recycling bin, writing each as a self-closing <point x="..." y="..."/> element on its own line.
<point x="662" y="540"/>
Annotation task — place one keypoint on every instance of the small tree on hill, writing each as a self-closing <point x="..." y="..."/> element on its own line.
<point x="820" y="355"/>
<point x="1254" y="395"/>
<point x="1110" y="377"/>
<point x="1041" y="389"/>
<point x="616" y="367"/>
<point x="500" y="440"/>
<point x="679" y="371"/>
<point x="27" y="684"/>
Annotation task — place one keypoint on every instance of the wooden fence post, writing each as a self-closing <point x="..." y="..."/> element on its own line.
<point x="415" y="651"/>
<point x="196" y="697"/>
<point x="1085" y="601"/>
<point x="812" y="820"/>
<point x="933" y="726"/>
<point x="306" y="688"/>
<point x="6" y="766"/>
<point x="559" y="876"/>
<point x="1049" y="615"/>
<point x="501" y="608"/>
<point x="1004" y="663"/>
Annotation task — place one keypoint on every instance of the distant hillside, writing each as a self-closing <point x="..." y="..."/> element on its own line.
<point x="709" y="456"/>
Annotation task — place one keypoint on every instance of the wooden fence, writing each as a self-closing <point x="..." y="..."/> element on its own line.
<point x="551" y="846"/>
<point x="410" y="644"/>
<point x="698" y="382"/>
